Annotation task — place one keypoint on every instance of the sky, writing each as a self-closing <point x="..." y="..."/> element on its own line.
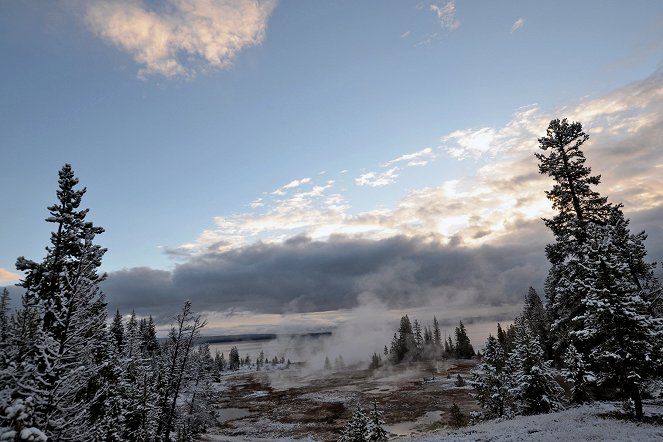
<point x="285" y="164"/>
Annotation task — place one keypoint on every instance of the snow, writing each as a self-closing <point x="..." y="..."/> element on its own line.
<point x="576" y="424"/>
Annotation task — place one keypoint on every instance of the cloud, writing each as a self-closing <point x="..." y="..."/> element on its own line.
<point x="420" y="158"/>
<point x="7" y="277"/>
<point x="377" y="179"/>
<point x="301" y="275"/>
<point x="179" y="38"/>
<point x="473" y="240"/>
<point x="446" y="15"/>
<point x="291" y="185"/>
<point x="518" y="24"/>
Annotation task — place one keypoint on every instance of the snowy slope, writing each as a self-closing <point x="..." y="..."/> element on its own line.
<point x="576" y="424"/>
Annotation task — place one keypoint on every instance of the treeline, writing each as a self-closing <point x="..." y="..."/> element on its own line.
<point x="413" y="343"/>
<point x="67" y="376"/>
<point x="602" y="323"/>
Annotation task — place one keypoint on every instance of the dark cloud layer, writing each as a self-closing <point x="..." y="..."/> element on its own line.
<point x="302" y="275"/>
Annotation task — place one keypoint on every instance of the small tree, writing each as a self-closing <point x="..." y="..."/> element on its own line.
<point x="532" y="382"/>
<point x="357" y="429"/>
<point x="456" y="418"/>
<point x="463" y="347"/>
<point x="578" y="375"/>
<point x="491" y="382"/>
<point x="377" y="433"/>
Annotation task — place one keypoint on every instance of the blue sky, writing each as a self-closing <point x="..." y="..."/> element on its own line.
<point x="183" y="117"/>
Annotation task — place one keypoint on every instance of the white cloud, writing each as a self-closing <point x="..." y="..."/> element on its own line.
<point x="446" y="15"/>
<point x="291" y="185"/>
<point x="7" y="277"/>
<point x="419" y="158"/>
<point x="258" y="202"/>
<point x="377" y="179"/>
<point x="182" y="37"/>
<point x="501" y="200"/>
<point x="518" y="24"/>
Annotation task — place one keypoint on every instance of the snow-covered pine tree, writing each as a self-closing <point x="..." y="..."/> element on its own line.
<point x="532" y="383"/>
<point x="198" y="410"/>
<point x="577" y="373"/>
<point x="117" y="332"/>
<point x="5" y="318"/>
<point x="376" y="431"/>
<point x="64" y="291"/>
<point x="535" y="314"/>
<point x="618" y="327"/>
<point x="490" y="381"/>
<point x="577" y="204"/>
<point x="418" y="338"/>
<point x="356" y="430"/>
<point x="599" y="278"/>
<point x="177" y="356"/>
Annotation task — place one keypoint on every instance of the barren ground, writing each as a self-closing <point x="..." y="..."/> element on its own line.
<point x="294" y="404"/>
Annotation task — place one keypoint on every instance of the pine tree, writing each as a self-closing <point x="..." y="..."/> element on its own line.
<point x="5" y="318"/>
<point x="117" y="331"/>
<point x="463" y="348"/>
<point x="456" y="417"/>
<point x="618" y="328"/>
<point x="63" y="290"/>
<point x="437" y="335"/>
<point x="578" y="375"/>
<point x="328" y="365"/>
<point x="600" y="289"/>
<point x="535" y="315"/>
<point x="357" y="429"/>
<point x="533" y="385"/>
<point x="418" y="338"/>
<point x="181" y="340"/>
<point x="376" y="430"/>
<point x="491" y="381"/>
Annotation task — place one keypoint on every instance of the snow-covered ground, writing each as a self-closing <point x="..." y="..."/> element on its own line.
<point x="576" y="424"/>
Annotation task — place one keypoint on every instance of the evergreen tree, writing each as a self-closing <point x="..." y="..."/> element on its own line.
<point x="328" y="365"/>
<point x="501" y="337"/>
<point x="375" y="362"/>
<point x="456" y="417"/>
<point x="578" y="375"/>
<point x="376" y="430"/>
<point x="600" y="289"/>
<point x="233" y="359"/>
<point x="463" y="348"/>
<point x="405" y="344"/>
<point x="418" y="338"/>
<point x="533" y="386"/>
<point x="437" y="335"/>
<point x="357" y="429"/>
<point x="622" y="336"/>
<point x="449" y="347"/>
<point x="177" y="355"/>
<point x="63" y="290"/>
<point x="117" y="332"/>
<point x="535" y="315"/>
<point x="491" y="381"/>
<point x="5" y="318"/>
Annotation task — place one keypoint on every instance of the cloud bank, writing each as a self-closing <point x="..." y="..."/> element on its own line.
<point x="473" y="241"/>
<point x="179" y="38"/>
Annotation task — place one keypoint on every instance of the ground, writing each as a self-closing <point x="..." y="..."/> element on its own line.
<point x="296" y="404"/>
